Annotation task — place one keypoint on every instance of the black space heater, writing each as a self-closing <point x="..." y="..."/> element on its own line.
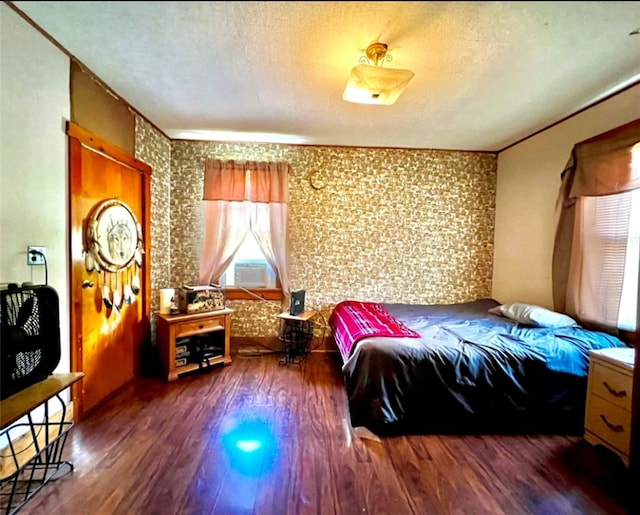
<point x="29" y="336"/>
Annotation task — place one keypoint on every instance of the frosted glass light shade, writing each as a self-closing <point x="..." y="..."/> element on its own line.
<point x="375" y="85"/>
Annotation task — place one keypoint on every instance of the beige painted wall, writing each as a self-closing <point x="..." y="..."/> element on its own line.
<point x="34" y="99"/>
<point x="34" y="108"/>
<point x="528" y="183"/>
<point x="100" y="111"/>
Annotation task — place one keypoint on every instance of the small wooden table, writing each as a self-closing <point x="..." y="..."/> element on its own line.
<point x="41" y="461"/>
<point x="184" y="332"/>
<point x="296" y="335"/>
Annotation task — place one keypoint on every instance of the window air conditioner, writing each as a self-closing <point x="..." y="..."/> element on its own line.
<point x="251" y="275"/>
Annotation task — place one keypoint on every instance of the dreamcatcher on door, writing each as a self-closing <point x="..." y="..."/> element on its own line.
<point x="113" y="250"/>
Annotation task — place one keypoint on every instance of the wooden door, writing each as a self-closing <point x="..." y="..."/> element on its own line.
<point x="106" y="341"/>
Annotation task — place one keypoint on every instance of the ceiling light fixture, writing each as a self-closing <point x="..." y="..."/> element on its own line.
<point x="373" y="84"/>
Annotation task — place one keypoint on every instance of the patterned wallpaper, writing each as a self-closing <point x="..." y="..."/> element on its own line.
<point x="390" y="225"/>
<point x="153" y="148"/>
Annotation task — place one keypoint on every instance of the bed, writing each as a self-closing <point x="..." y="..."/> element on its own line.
<point x="472" y="367"/>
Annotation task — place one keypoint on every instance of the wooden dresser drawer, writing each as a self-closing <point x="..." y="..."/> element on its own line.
<point x="610" y="423"/>
<point x="611" y="385"/>
<point x="193" y="327"/>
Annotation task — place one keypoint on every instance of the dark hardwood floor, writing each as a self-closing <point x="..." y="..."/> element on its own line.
<point x="258" y="438"/>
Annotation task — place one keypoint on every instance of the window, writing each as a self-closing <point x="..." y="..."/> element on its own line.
<point x="612" y="248"/>
<point x="245" y="229"/>
<point x="627" y="318"/>
<point x="249" y="267"/>
<point x="596" y="251"/>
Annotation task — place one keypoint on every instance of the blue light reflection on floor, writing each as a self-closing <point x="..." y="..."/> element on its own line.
<point x="251" y="447"/>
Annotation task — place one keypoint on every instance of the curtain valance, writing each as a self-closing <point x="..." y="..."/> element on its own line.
<point x="249" y="180"/>
<point x="604" y="164"/>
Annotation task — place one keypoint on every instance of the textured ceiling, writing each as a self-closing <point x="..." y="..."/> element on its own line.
<point x="487" y="74"/>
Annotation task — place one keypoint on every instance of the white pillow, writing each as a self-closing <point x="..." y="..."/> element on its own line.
<point x="533" y="315"/>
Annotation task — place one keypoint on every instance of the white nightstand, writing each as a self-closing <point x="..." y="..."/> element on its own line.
<point x="608" y="410"/>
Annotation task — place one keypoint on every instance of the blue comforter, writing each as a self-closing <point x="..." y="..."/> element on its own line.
<point x="471" y="371"/>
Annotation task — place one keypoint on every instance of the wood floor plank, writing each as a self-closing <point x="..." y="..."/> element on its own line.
<point x="260" y="438"/>
<point x="209" y="490"/>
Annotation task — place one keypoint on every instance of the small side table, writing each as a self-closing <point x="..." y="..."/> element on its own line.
<point x="184" y="332"/>
<point x="43" y="462"/>
<point x="296" y="336"/>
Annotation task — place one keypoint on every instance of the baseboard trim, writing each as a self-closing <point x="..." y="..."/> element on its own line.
<point x="272" y="345"/>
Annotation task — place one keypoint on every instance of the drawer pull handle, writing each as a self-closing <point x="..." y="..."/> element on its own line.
<point x="616" y="428"/>
<point x="200" y="326"/>
<point x="616" y="393"/>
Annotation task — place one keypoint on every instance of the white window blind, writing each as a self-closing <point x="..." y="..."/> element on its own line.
<point x="610" y="258"/>
<point x="627" y="318"/>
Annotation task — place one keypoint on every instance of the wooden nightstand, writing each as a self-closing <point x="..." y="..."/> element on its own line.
<point x="187" y="342"/>
<point x="608" y="410"/>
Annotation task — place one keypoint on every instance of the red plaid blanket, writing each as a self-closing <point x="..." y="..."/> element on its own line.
<point x="353" y="320"/>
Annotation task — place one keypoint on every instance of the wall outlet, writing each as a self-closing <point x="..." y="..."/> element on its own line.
<point x="36" y="255"/>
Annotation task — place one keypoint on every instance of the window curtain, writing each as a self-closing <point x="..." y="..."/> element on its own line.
<point x="269" y="217"/>
<point x="240" y="197"/>
<point x="590" y="242"/>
